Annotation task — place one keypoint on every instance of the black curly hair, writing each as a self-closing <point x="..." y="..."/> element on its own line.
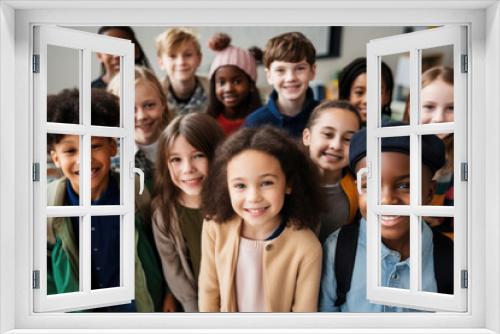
<point x="64" y="107"/>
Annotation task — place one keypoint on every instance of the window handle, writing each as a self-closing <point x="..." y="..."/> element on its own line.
<point x="359" y="176"/>
<point x="133" y="171"/>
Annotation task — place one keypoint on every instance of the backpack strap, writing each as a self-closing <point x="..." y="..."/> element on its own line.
<point x="345" y="255"/>
<point x="443" y="262"/>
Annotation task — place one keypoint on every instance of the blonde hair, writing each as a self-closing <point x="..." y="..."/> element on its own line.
<point x="445" y="74"/>
<point x="173" y="38"/>
<point x="142" y="74"/>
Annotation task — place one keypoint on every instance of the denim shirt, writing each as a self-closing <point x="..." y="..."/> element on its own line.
<point x="395" y="274"/>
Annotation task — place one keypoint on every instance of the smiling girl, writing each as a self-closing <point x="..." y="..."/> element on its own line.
<point x="327" y="136"/>
<point x="259" y="253"/>
<point x="233" y="73"/>
<point x="186" y="148"/>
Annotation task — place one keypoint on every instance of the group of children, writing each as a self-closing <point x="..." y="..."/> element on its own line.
<point x="241" y="196"/>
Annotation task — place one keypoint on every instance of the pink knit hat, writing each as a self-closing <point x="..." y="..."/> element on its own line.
<point x="227" y="54"/>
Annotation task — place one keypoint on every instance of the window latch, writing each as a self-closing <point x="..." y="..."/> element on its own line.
<point x="363" y="171"/>
<point x="133" y="171"/>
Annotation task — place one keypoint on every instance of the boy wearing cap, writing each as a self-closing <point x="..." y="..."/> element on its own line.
<point x="395" y="232"/>
<point x="290" y="65"/>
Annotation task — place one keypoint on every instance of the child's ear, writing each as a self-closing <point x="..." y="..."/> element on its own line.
<point x="160" y="63"/>
<point x="268" y="76"/>
<point x="99" y="56"/>
<point x="114" y="147"/>
<point x="427" y="198"/>
<point x="306" y="137"/>
<point x="288" y="190"/>
<point x="55" y="158"/>
<point x="313" y="72"/>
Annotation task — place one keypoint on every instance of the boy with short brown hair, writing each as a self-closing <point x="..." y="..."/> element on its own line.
<point x="290" y="66"/>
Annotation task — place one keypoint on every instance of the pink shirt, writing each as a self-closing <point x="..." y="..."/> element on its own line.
<point x="250" y="295"/>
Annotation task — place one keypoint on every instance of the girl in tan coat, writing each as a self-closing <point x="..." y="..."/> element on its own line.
<point x="259" y="253"/>
<point x="185" y="150"/>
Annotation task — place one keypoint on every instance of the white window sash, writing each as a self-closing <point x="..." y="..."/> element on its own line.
<point x="412" y="43"/>
<point x="86" y="43"/>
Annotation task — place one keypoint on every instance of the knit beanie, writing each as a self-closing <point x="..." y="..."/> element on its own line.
<point x="227" y="54"/>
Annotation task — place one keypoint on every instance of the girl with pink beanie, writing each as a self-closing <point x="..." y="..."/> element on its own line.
<point x="233" y="93"/>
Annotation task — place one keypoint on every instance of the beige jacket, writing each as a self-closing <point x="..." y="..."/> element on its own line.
<point x="292" y="269"/>
<point x="174" y="260"/>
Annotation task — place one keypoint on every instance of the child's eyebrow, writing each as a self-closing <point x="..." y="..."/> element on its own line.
<point x="406" y="176"/>
<point x="239" y="178"/>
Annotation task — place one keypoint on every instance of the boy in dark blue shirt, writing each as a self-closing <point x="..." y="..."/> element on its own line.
<point x="290" y="61"/>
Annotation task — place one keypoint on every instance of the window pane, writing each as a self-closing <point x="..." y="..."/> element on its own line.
<point x="106" y="109"/>
<point x="395" y="251"/>
<point x="57" y="81"/>
<point x="395" y="87"/>
<point x="62" y="254"/>
<point x="105" y="171"/>
<point x="63" y="169"/>
<point x="438" y="259"/>
<point x="438" y="186"/>
<point x="105" y="251"/>
<point x="436" y="94"/>
<point x="394" y="171"/>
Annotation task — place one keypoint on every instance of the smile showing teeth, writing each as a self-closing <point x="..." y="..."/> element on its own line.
<point x="193" y="182"/>
<point x="389" y="221"/>
<point x="257" y="211"/>
<point x="94" y="171"/>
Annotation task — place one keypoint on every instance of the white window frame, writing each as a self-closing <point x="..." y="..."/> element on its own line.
<point x="483" y="17"/>
<point x="85" y="44"/>
<point x="413" y="44"/>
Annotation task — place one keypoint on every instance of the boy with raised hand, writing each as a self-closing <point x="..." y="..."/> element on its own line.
<point x="343" y="282"/>
<point x="63" y="232"/>
<point x="290" y="65"/>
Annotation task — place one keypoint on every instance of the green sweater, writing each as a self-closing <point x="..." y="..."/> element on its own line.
<point x="62" y="253"/>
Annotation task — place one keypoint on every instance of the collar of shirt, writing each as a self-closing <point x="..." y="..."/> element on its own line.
<point x="111" y="196"/>
<point x="304" y="112"/>
<point x="393" y="256"/>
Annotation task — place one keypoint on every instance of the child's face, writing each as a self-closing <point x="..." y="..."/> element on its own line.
<point x="290" y="80"/>
<point x="232" y="86"/>
<point x="437" y="102"/>
<point x="148" y="113"/>
<point x="329" y="137"/>
<point x="66" y="155"/>
<point x="112" y="62"/>
<point x="257" y="186"/>
<point x="188" y="168"/>
<point x="395" y="190"/>
<point x="357" y="95"/>
<point x="181" y="64"/>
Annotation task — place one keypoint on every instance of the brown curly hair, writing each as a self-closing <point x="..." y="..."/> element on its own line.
<point x="301" y="208"/>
